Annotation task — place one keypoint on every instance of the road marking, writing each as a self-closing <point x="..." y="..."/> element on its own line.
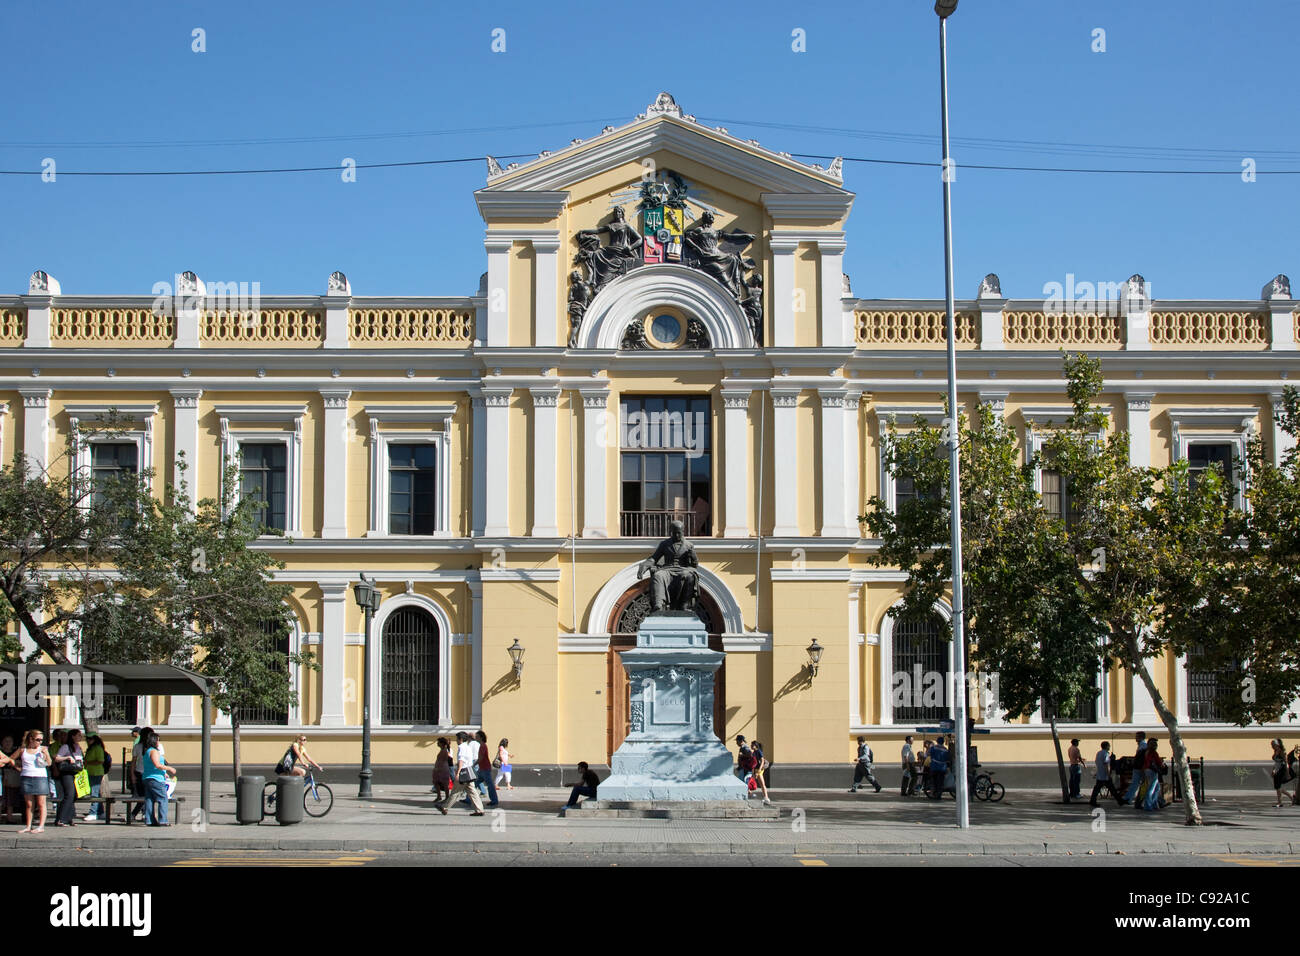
<point x="272" y="860"/>
<point x="1260" y="861"/>
<point x="814" y="862"/>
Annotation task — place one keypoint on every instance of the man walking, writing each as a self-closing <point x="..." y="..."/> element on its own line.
<point x="483" y="769"/>
<point x="1103" y="761"/>
<point x="909" y="767"/>
<point x="466" y="763"/>
<point x="862" y="768"/>
<point x="1076" y="768"/>
<point x="1139" y="762"/>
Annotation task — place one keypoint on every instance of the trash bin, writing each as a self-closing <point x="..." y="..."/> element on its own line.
<point x="288" y="799"/>
<point x="1198" y="779"/>
<point x="248" y="799"/>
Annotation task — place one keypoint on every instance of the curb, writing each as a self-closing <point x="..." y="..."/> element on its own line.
<point x="643" y="849"/>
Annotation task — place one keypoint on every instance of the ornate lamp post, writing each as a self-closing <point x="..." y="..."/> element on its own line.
<point x="517" y="658"/>
<point x="367" y="596"/>
<point x="814" y="657"/>
<point x="945" y="9"/>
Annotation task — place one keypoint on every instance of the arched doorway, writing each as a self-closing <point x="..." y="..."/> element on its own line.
<point x="630" y="610"/>
<point x="408" y="669"/>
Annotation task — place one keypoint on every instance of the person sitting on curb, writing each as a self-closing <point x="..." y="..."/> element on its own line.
<point x="862" y="767"/>
<point x="585" y="787"/>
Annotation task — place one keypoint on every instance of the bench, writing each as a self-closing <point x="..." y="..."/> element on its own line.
<point x="106" y="801"/>
<point x="172" y="810"/>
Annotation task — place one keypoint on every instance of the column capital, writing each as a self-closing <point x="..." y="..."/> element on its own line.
<point x="996" y="398"/>
<point x="785" y="397"/>
<point x="1138" y="401"/>
<point x="545" y="396"/>
<point x="496" y="397"/>
<point x="594" y="397"/>
<point x="831" y="397"/>
<point x="36" y="397"/>
<point x="336" y="397"/>
<point x="186" y="397"/>
<point x="736" y="397"/>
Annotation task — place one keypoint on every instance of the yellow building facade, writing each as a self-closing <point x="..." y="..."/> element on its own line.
<point x="500" y="463"/>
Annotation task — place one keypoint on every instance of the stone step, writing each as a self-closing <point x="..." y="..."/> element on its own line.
<point x="666" y="810"/>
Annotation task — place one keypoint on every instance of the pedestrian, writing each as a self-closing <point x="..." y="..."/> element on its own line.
<point x="744" y="758"/>
<point x="68" y="762"/>
<point x="12" y="794"/>
<point x="1279" y="768"/>
<point x="862" y="767"/>
<point x="1153" y="798"/>
<point x="466" y="762"/>
<point x="586" y="786"/>
<point x="56" y="744"/>
<point x="155" y="771"/>
<point x="1104" y="779"/>
<point x="1139" y="774"/>
<point x="442" y="776"/>
<point x="503" y="764"/>
<point x="909" y="767"/>
<point x="923" y="766"/>
<point x="760" y="770"/>
<point x="96" y="770"/>
<point x="1076" y="768"/>
<point x="938" y="774"/>
<point x="34" y="761"/>
<point x="1293" y="768"/>
<point x="137" y="776"/>
<point x="484" y="770"/>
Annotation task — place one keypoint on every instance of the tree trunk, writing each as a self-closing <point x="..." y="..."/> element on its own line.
<point x="1060" y="760"/>
<point x="234" y="743"/>
<point x="47" y="644"/>
<point x="1182" y="767"/>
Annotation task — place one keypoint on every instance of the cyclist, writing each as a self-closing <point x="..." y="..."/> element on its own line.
<point x="296" y="761"/>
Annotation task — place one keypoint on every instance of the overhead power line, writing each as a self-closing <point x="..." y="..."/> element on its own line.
<point x="252" y="172"/>
<point x="1054" y="169"/>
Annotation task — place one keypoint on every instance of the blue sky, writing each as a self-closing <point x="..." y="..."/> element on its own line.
<point x="1195" y="85"/>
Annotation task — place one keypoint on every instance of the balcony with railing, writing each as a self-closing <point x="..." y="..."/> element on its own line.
<point x="654" y="524"/>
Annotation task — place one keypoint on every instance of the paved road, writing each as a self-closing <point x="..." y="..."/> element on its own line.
<point x="207" y="859"/>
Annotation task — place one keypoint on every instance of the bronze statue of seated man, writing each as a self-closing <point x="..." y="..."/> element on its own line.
<point x="674" y="582"/>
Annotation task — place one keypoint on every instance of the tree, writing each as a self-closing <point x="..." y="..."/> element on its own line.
<point x="59" y="530"/>
<point x="220" y="594"/>
<point x="1028" y="621"/>
<point x="1244" y="592"/>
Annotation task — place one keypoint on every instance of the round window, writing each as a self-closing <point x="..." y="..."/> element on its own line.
<point x="667" y="329"/>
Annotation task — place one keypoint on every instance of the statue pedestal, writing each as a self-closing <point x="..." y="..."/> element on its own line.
<point x="672" y="752"/>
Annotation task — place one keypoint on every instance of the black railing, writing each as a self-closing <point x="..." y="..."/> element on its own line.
<point x="654" y="524"/>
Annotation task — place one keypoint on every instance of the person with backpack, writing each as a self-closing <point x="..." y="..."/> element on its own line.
<point x="862" y="767"/>
<point x="744" y="759"/>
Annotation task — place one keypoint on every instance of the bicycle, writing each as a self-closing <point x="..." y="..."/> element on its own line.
<point x="317" y="798"/>
<point x="986" y="788"/>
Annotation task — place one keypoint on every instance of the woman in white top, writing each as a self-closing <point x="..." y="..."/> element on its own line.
<point x="503" y="763"/>
<point x="35" y="761"/>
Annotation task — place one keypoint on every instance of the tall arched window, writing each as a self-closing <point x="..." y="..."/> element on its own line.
<point x="921" y="672"/>
<point x="408" y="672"/>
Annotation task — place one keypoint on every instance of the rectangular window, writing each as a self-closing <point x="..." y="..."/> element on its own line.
<point x="412" y="488"/>
<point x="276" y="638"/>
<point x="111" y="463"/>
<point x="264" y="476"/>
<point x="1202" y="456"/>
<point x="1207" y="687"/>
<point x="666" y="464"/>
<point x="1058" y="498"/>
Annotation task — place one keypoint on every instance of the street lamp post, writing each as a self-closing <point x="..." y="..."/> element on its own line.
<point x="367" y="596"/>
<point x="945" y="9"/>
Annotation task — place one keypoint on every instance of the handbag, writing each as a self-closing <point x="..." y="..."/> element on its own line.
<point x="464" y="776"/>
<point x="82" y="783"/>
<point x="497" y="763"/>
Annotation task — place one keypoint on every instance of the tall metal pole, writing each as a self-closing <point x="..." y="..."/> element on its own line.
<point x="363" y="791"/>
<point x="958" y="605"/>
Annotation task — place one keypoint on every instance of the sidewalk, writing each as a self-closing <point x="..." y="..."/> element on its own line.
<point x="402" y="818"/>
